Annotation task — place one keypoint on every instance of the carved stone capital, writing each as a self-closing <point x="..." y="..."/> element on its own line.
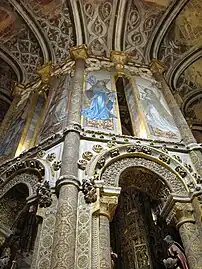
<point x="18" y="89"/>
<point x="79" y="52"/>
<point x="108" y="201"/>
<point x="119" y="58"/>
<point x="157" y="67"/>
<point x="182" y="213"/>
<point x="66" y="180"/>
<point x="45" y="72"/>
<point x="108" y="205"/>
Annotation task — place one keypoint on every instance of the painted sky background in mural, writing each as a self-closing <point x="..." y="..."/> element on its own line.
<point x="100" y="102"/>
<point x="156" y="111"/>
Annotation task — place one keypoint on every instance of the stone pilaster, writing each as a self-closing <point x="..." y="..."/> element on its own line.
<point x="67" y="186"/>
<point x="158" y="69"/>
<point x="108" y="203"/>
<point x="183" y="214"/>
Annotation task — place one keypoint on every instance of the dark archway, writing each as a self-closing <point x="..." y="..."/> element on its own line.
<point x="137" y="230"/>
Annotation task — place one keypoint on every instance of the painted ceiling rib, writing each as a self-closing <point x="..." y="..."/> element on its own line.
<point x="161" y="29"/>
<point x="119" y="25"/>
<point x="14" y="64"/>
<point x="77" y="22"/>
<point x="181" y="65"/>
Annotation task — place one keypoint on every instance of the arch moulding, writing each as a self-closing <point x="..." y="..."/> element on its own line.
<point x="109" y="165"/>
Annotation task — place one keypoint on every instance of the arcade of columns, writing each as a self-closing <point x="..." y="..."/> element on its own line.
<point x="75" y="230"/>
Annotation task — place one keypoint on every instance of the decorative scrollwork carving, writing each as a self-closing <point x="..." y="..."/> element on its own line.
<point x="165" y="158"/>
<point x="82" y="164"/>
<point x="97" y="148"/>
<point x="56" y="165"/>
<point x="87" y="155"/>
<point x="181" y="171"/>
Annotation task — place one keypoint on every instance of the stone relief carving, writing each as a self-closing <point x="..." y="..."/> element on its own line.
<point x="26" y="178"/>
<point x="83" y="234"/>
<point x="89" y="190"/>
<point x="44" y="194"/>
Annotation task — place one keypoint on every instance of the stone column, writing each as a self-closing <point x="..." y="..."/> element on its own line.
<point x="67" y="186"/>
<point x="108" y="203"/>
<point x="158" y="69"/>
<point x="189" y="233"/>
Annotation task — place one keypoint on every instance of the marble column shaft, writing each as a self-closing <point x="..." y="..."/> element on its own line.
<point x="180" y="121"/>
<point x="63" y="256"/>
<point x="105" y="253"/>
<point x="192" y="244"/>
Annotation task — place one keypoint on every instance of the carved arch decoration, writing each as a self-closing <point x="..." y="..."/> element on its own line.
<point x="109" y="164"/>
<point x="28" y="172"/>
<point x="17" y="68"/>
<point x="156" y="38"/>
<point x="175" y="71"/>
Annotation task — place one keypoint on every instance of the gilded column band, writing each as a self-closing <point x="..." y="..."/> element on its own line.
<point x="67" y="185"/>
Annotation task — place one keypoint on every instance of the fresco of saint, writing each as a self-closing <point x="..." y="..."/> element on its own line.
<point x="158" y="116"/>
<point x="101" y="100"/>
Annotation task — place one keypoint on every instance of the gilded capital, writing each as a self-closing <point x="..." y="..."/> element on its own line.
<point x="119" y="58"/>
<point x="79" y="52"/>
<point x="45" y="72"/>
<point x="157" y="67"/>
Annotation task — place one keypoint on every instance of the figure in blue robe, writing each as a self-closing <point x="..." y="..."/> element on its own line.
<point x="101" y="101"/>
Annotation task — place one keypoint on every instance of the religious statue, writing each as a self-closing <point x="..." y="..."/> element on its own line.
<point x="177" y="258"/>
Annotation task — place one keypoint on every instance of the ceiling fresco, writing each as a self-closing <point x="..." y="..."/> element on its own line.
<point x="33" y="32"/>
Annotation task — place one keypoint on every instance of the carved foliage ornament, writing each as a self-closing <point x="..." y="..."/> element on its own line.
<point x="89" y="190"/>
<point x="44" y="194"/>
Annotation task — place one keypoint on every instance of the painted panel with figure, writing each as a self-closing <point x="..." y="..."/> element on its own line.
<point x="11" y="140"/>
<point x="137" y="121"/>
<point x="159" y="119"/>
<point x="100" y="111"/>
<point x="57" y="113"/>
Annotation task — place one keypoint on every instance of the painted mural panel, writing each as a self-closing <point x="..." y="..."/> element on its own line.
<point x="155" y="110"/>
<point x="100" y="109"/>
<point x="32" y="125"/>
<point x="57" y="114"/>
<point x="10" y="141"/>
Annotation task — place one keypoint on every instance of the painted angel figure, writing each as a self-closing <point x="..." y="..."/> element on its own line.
<point x="101" y="100"/>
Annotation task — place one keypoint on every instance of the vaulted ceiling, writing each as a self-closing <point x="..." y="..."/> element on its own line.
<point x="33" y="32"/>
